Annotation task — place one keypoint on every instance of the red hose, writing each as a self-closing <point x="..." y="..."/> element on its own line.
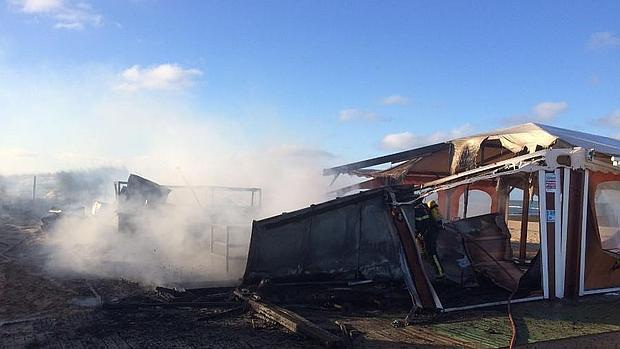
<point x="513" y="339"/>
<point x="513" y="324"/>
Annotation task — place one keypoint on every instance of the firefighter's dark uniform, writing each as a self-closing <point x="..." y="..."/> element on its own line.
<point x="427" y="230"/>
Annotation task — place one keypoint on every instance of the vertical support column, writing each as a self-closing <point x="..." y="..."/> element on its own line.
<point x="448" y="214"/>
<point x="227" y="247"/>
<point x="572" y="240"/>
<point x="465" y="201"/>
<point x="566" y="183"/>
<point x="211" y="243"/>
<point x="500" y="197"/>
<point x="584" y="225"/>
<point x="544" y="251"/>
<point x="423" y="290"/>
<point x="525" y="216"/>
<point x="443" y="200"/>
<point x="557" y="236"/>
<point x="34" y="188"/>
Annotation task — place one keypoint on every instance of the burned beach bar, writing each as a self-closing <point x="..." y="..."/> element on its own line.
<point x="513" y="215"/>
<point x="510" y="237"/>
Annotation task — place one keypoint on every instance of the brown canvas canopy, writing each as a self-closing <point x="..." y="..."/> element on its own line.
<point x="436" y="161"/>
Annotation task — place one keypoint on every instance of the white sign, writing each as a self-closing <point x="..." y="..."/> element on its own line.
<point x="550" y="215"/>
<point x="550" y="182"/>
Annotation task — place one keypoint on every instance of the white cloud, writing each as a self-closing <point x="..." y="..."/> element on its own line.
<point x="611" y="120"/>
<point x="603" y="40"/>
<point x="395" y="100"/>
<point x="353" y="114"/>
<point x="66" y="15"/>
<point x="541" y="112"/>
<point x="399" y="141"/>
<point x="37" y="6"/>
<point x="549" y="110"/>
<point x="408" y="140"/>
<point x="160" y="77"/>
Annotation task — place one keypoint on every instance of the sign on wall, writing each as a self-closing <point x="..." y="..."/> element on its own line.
<point x="550" y="216"/>
<point x="550" y="182"/>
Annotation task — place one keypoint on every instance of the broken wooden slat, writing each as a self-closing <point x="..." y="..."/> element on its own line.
<point x="168" y="305"/>
<point x="292" y="321"/>
<point x="221" y="314"/>
<point x="346" y="333"/>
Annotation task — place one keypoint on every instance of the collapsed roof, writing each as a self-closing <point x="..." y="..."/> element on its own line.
<point x="429" y="163"/>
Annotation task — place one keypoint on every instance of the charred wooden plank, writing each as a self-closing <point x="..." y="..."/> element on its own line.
<point x="168" y="305"/>
<point x="220" y="314"/>
<point x="292" y="321"/>
<point x="346" y="333"/>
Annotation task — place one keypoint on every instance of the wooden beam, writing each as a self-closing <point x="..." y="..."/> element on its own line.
<point x="423" y="292"/>
<point x="465" y="201"/>
<point x="525" y="216"/>
<point x="392" y="158"/>
<point x="292" y="321"/>
<point x="573" y="243"/>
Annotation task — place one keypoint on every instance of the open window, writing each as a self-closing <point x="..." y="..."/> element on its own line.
<point x="523" y="225"/>
<point x="478" y="203"/>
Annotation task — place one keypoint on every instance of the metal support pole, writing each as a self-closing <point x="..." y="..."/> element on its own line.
<point x="34" y="188"/>
<point x="211" y="243"/>
<point x="227" y="249"/>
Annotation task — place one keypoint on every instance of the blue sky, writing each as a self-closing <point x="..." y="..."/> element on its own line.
<point x="353" y="79"/>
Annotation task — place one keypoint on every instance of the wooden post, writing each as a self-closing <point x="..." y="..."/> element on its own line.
<point x="548" y="189"/>
<point x="423" y="293"/>
<point x="573" y="243"/>
<point x="525" y="213"/>
<point x="465" y="201"/>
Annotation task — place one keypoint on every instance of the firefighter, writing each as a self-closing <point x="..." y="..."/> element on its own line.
<point x="427" y="229"/>
<point x="434" y="208"/>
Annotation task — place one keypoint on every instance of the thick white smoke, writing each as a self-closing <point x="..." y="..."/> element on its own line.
<point x="164" y="139"/>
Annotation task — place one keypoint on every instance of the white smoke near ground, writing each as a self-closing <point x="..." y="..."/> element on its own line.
<point x="173" y="243"/>
<point x="161" y="138"/>
<point x="172" y="247"/>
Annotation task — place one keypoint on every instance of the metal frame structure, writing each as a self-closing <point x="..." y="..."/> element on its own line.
<point x="256" y="193"/>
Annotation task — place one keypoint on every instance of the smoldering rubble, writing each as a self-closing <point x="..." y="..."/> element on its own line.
<point x="146" y="238"/>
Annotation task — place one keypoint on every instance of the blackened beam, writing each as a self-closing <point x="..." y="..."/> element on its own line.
<point x="292" y="321"/>
<point x="392" y="158"/>
<point x="288" y="217"/>
<point x="213" y="187"/>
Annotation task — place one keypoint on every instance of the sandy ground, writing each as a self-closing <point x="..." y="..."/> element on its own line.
<point x="533" y="228"/>
<point x="42" y="310"/>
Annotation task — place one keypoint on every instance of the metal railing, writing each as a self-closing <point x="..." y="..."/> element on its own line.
<point x="228" y="242"/>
